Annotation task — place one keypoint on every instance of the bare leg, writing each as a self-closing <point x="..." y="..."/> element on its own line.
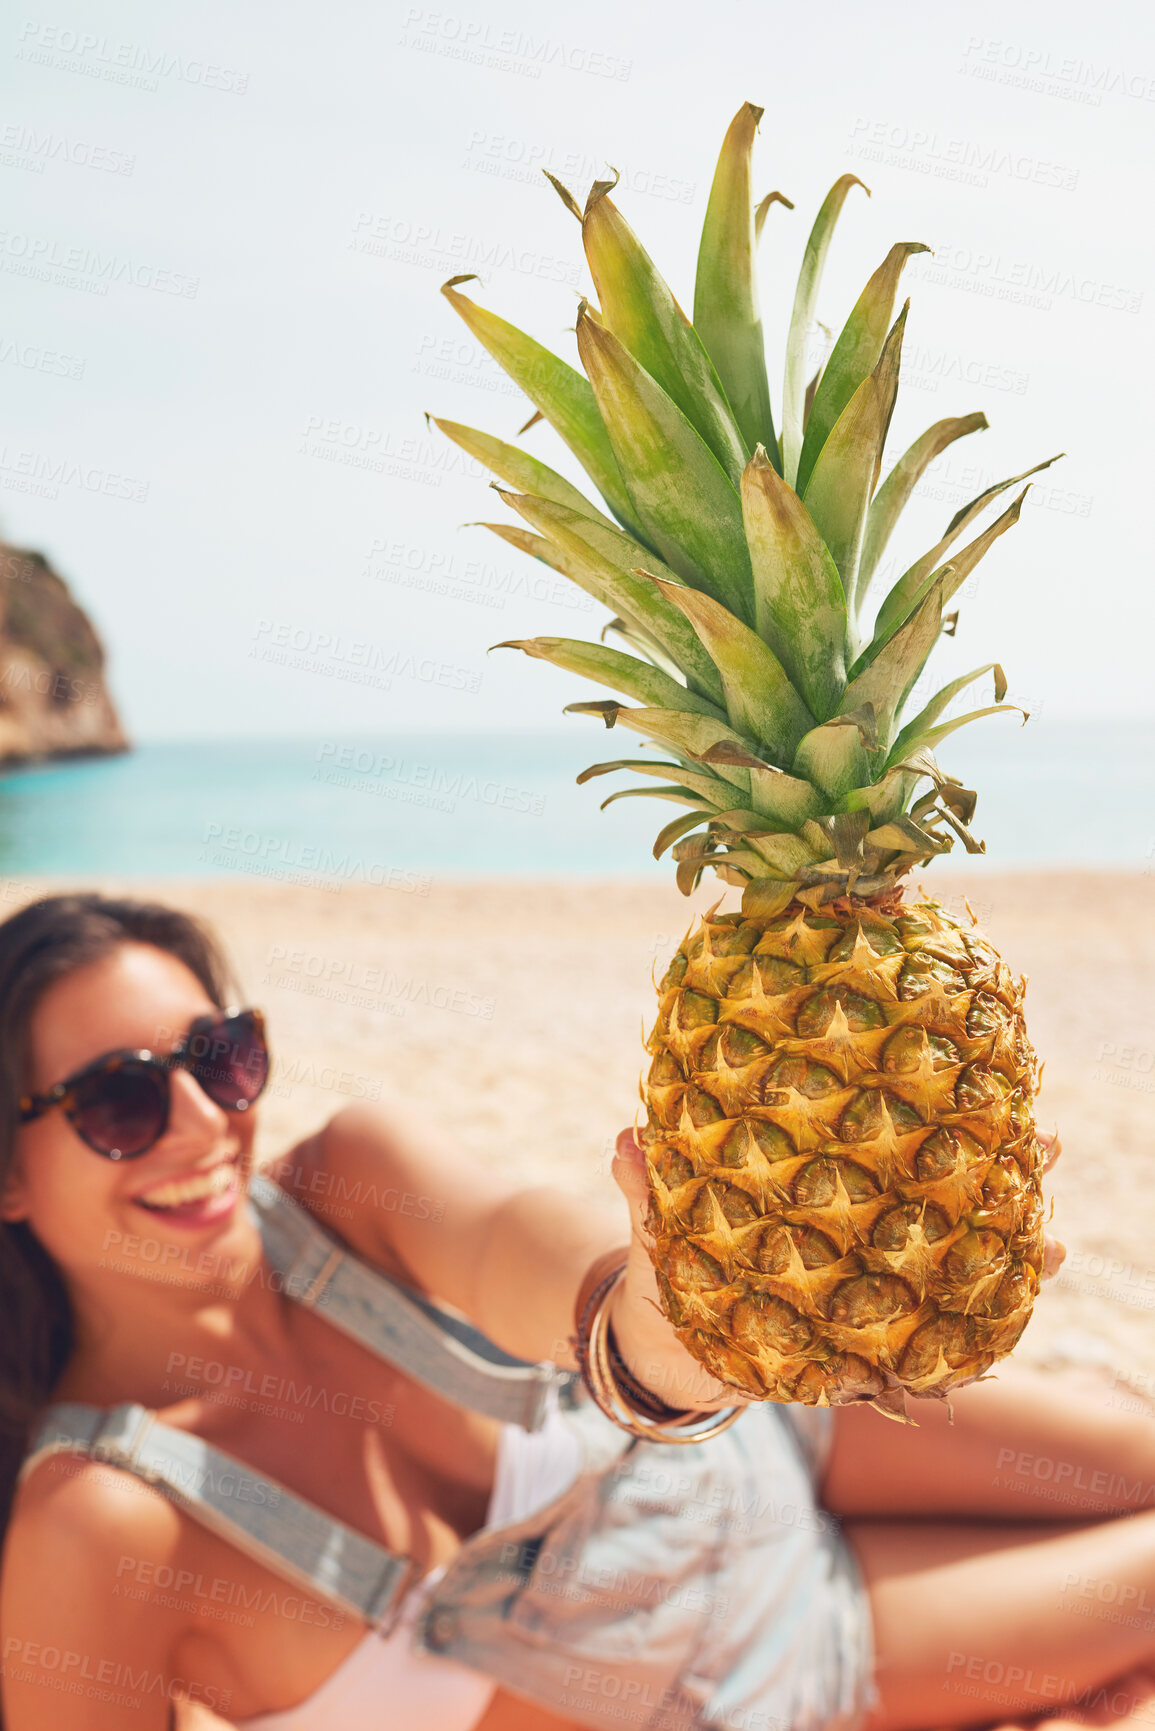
<point x="976" y="1623"/>
<point x="1026" y="1446"/>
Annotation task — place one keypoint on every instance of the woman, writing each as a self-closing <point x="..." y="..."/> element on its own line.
<point x="133" y="1277"/>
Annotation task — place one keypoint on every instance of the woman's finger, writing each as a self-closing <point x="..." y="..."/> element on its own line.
<point x="1054" y="1255"/>
<point x="629" y="1172"/>
<point x="1052" y="1147"/>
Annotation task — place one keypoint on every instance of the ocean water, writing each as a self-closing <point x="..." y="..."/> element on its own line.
<point x="385" y="810"/>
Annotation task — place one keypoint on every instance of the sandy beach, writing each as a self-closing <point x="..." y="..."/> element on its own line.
<point x="513" y="1014"/>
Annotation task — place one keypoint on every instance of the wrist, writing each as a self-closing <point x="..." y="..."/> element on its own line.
<point x="663" y="1370"/>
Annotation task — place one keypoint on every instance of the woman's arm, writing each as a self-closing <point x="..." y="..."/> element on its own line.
<point x="511" y="1258"/>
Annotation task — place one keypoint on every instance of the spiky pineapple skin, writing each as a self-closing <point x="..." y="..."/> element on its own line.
<point x="844" y="1171"/>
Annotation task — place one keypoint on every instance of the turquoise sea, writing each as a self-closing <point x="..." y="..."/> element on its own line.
<point x="1056" y="793"/>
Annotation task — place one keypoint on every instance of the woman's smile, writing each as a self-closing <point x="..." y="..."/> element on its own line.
<point x="202" y="1197"/>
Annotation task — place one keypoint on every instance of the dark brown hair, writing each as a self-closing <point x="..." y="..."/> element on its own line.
<point x="38" y="946"/>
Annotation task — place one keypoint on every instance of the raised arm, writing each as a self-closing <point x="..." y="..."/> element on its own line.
<point x="511" y="1258"/>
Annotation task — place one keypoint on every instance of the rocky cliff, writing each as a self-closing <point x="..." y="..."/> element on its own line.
<point x="53" y="701"/>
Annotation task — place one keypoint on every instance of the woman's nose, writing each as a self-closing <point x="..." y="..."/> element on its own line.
<point x="190" y="1110"/>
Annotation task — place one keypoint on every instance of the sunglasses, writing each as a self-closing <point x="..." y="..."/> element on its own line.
<point x="119" y="1104"/>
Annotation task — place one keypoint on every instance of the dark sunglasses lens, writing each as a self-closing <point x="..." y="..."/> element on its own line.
<point x="230" y="1059"/>
<point x="121" y="1112"/>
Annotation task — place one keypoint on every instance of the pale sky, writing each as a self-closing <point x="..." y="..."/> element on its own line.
<point x="223" y="232"/>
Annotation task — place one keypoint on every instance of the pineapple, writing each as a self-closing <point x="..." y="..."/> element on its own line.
<point x="840" y="1143"/>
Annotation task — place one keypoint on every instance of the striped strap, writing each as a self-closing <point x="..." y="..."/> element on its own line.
<point x="256" y="1514"/>
<point x="430" y="1344"/>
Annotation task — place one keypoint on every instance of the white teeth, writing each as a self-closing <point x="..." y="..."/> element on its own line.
<point x="197" y="1189"/>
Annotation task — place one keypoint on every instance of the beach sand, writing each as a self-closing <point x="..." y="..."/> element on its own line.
<point x="513" y="1015"/>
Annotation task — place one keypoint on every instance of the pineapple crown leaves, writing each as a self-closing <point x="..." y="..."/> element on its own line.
<point x="736" y="559"/>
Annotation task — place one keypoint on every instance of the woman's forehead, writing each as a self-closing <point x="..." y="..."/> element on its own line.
<point x="135" y="996"/>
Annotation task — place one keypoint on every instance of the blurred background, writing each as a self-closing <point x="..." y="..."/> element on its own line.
<point x="234" y="546"/>
<point x="220" y="251"/>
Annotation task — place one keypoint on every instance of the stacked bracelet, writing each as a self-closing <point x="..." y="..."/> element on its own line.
<point x="613" y="1386"/>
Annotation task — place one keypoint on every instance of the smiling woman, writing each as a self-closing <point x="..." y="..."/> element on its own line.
<point x="287" y="1481"/>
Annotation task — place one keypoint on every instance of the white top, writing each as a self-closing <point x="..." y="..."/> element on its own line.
<point x="388" y="1682"/>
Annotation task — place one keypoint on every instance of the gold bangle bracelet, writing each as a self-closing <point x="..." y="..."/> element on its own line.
<point x="693" y="1426"/>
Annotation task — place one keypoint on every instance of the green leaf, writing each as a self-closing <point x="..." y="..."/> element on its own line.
<point x="689" y="735"/>
<point x="784" y="799"/>
<point x="845" y="475"/>
<point x="833" y="758"/>
<point x="891" y="499"/>
<point x="679" y="491"/>
<point x="624" y="673"/>
<point x="764" y="898"/>
<point x="558" y="391"/>
<point x="927" y="717"/>
<point x="711" y="788"/>
<point x="903" y="835"/>
<point x="676" y="829"/>
<point x="517" y="468"/>
<point x="726" y="310"/>
<point x="901" y="598"/>
<point x="786" y="855"/>
<point x="592" y="556"/>
<point x="639" y="310"/>
<point x="760" y="700"/>
<point x="761" y="208"/>
<point x="909" y="741"/>
<point x="799" y="605"/>
<point x="855" y="354"/>
<point x="960" y="568"/>
<point x="676" y="795"/>
<point x="803" y="317"/>
<point x="886" y="681"/>
<point x="645" y="645"/>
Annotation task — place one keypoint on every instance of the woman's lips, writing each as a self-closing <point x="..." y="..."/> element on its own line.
<point x="198" y="1200"/>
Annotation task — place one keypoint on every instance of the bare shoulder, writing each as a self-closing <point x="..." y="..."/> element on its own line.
<point x="398" y="1191"/>
<point x="91" y="1511"/>
<point x="81" y="1532"/>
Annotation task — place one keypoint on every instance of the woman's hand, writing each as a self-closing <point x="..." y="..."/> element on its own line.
<point x="645" y="1339"/>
